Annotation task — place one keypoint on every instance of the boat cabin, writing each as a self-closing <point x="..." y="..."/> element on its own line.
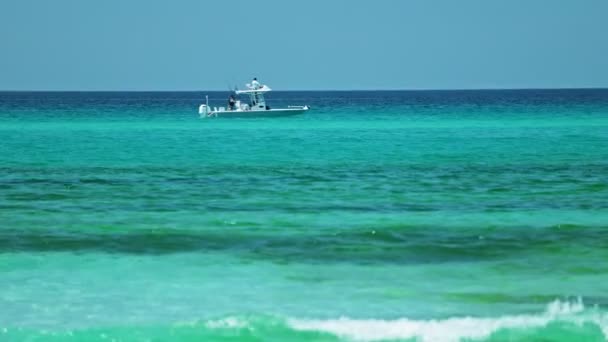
<point x="256" y="97"/>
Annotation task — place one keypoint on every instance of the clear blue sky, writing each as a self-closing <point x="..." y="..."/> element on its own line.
<point x="307" y="44"/>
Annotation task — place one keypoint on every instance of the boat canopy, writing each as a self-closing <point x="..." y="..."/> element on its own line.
<point x="262" y="89"/>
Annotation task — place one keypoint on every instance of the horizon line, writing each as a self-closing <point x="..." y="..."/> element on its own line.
<point x="299" y="90"/>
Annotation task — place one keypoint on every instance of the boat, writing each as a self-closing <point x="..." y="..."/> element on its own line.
<point x="256" y="107"/>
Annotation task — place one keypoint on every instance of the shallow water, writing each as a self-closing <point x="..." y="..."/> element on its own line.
<point x="437" y="216"/>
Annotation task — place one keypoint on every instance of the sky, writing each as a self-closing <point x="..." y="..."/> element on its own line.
<point x="302" y="45"/>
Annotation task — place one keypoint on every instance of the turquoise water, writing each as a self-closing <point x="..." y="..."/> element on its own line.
<point x="431" y="216"/>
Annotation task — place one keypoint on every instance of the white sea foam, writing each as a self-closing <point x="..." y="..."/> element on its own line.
<point x="452" y="329"/>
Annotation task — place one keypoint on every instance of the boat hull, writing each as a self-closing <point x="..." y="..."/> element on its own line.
<point x="256" y="113"/>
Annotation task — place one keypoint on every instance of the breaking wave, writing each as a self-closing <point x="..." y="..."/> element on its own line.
<point x="559" y="315"/>
<point x="561" y="321"/>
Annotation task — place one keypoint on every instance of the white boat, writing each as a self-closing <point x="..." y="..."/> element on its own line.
<point x="256" y="107"/>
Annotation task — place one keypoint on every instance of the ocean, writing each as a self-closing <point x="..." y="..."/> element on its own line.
<point x="378" y="215"/>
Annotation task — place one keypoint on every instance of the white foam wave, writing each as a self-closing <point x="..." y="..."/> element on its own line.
<point x="451" y="329"/>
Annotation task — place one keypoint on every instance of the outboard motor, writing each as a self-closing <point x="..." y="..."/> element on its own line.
<point x="203" y="110"/>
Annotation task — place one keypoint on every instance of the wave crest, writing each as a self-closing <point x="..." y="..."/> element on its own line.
<point x="454" y="329"/>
